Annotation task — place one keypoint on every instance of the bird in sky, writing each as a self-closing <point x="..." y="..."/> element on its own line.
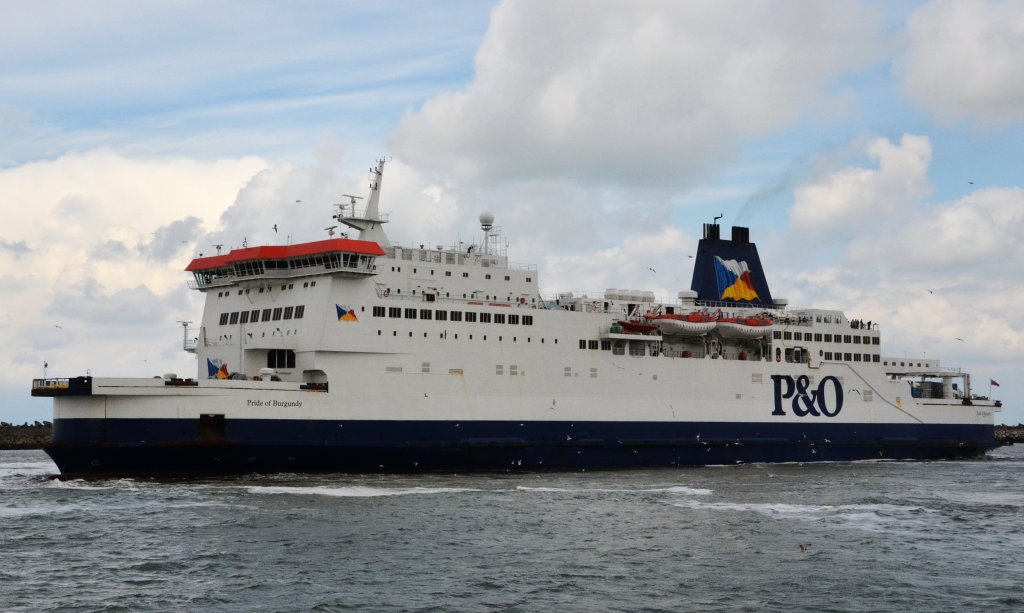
<point x="275" y="228"/>
<point x="652" y="270"/>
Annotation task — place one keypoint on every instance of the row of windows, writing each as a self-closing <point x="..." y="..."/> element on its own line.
<point x="827" y="338"/>
<point x="852" y="357"/>
<point x="442" y="315"/>
<point x="445" y="335"/>
<point x="284" y="286"/>
<point x="448" y="273"/>
<point x="636" y="348"/>
<point x="280" y="358"/>
<point x="911" y="364"/>
<point x="255" y="315"/>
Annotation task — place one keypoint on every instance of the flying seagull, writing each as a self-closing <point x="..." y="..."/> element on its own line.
<point x="652" y="270"/>
<point x="275" y="228"/>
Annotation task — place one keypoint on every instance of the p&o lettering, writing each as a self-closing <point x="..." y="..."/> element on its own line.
<point x="806" y="402"/>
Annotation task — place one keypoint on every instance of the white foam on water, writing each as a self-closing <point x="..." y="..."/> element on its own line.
<point x="27" y="469"/>
<point x="675" y="489"/>
<point x="81" y="484"/>
<point x="865" y="516"/>
<point x="355" y="491"/>
<point x="1009" y="499"/>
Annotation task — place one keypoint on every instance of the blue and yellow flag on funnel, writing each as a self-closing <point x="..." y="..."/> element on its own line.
<point x="345" y="314"/>
<point x="734" y="282"/>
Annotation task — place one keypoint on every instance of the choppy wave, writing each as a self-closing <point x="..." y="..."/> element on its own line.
<point x="902" y="536"/>
<point x="354" y="491"/>
<point x="861" y="515"/>
<point x="675" y="489"/>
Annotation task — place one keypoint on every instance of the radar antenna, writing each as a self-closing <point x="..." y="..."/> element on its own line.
<point x="219" y="247"/>
<point x="330" y="230"/>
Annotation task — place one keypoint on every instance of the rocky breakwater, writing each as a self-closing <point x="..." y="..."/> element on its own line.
<point x="1010" y="435"/>
<point x="25" y="436"/>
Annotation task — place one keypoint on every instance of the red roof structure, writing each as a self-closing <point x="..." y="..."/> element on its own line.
<point x="281" y="252"/>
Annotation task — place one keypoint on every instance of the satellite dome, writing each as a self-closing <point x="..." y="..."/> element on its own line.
<point x="486" y="219"/>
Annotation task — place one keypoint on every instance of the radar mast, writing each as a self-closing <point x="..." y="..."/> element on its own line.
<point x="368" y="221"/>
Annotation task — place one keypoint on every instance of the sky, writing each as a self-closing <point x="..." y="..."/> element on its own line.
<point x="875" y="150"/>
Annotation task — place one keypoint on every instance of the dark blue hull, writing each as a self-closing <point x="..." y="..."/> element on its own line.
<point x="184" y="447"/>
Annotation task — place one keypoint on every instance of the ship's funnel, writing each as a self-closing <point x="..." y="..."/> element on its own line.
<point x="729" y="271"/>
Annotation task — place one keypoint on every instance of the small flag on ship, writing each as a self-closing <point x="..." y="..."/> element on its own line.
<point x="993" y="382"/>
<point x="345" y="313"/>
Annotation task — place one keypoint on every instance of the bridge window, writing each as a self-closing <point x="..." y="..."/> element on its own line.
<point x="499" y="318"/>
<point x="455" y="316"/>
<point x="777" y="335"/>
<point x="470" y="316"/>
<point x="234" y="318"/>
<point x="244" y="319"/>
<point x="485" y="318"/>
<point x="527" y="320"/>
<point x="378" y="311"/>
<point x="224" y="318"/>
<point x="513" y="319"/>
<point x="254" y="316"/>
<point x="828" y="338"/>
<point x="288" y="311"/>
<point x="266" y="314"/>
<point x="592" y="345"/>
<point x="410" y="313"/>
<point x="277" y="313"/>
<point x="441" y="315"/>
<point x="425" y="314"/>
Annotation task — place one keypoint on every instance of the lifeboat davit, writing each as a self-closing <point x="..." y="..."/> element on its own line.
<point x="683" y="324"/>
<point x="744" y="327"/>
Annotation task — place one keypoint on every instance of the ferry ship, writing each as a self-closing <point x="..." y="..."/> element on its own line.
<point x="356" y="354"/>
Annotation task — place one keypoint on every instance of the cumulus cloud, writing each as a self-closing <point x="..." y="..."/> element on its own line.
<point x="171" y="239"/>
<point x="89" y="303"/>
<point x="15" y="248"/>
<point x="962" y="60"/>
<point x="105" y="236"/>
<point x="840" y="203"/>
<point x="649" y="93"/>
<point x="933" y="272"/>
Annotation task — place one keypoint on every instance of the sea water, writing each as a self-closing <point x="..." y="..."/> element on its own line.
<point x="867" y="536"/>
